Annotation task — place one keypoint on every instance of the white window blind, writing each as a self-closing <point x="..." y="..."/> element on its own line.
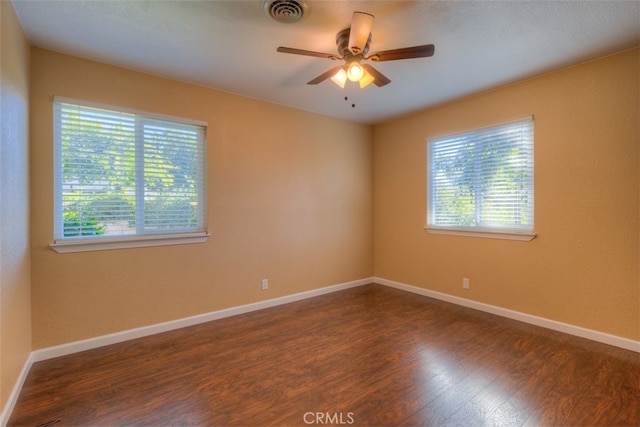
<point x="482" y="180"/>
<point x="122" y="174"/>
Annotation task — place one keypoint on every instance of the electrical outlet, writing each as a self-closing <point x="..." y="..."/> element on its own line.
<point x="465" y="283"/>
<point x="265" y="284"/>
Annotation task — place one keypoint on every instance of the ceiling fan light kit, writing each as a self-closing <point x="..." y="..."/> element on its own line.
<point x="353" y="46"/>
<point x="354" y="71"/>
<point x="340" y="78"/>
<point x="366" y="79"/>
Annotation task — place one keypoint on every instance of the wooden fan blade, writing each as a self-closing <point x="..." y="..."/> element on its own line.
<point x="361" y="24"/>
<point x="422" y="51"/>
<point x="324" y="76"/>
<point x="306" y="52"/>
<point x="380" y="79"/>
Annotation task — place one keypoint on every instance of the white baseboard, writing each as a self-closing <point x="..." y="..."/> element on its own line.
<point x="91" y="343"/>
<point x="578" y="331"/>
<point x="15" y="393"/>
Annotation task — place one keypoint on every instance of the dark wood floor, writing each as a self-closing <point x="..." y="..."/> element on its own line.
<point x="365" y="356"/>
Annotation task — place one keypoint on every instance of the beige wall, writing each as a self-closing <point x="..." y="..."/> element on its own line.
<point x="290" y="196"/>
<point x="582" y="268"/>
<point x="289" y="199"/>
<point x="15" y="285"/>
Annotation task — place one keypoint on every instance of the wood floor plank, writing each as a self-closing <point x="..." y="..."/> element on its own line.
<point x="365" y="356"/>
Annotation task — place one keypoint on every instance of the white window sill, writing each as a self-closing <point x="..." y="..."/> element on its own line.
<point x="104" y="244"/>
<point x="506" y="235"/>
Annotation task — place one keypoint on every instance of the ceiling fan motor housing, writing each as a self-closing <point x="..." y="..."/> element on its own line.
<point x="285" y="11"/>
<point x="342" y="42"/>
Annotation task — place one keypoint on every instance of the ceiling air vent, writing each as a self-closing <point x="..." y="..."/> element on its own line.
<point x="285" y="11"/>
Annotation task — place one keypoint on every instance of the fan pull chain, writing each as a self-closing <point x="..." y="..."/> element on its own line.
<point x="346" y="98"/>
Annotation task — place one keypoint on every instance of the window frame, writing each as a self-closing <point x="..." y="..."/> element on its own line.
<point x="497" y="232"/>
<point x="107" y="242"/>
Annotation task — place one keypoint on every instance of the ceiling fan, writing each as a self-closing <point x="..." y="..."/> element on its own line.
<point x="353" y="46"/>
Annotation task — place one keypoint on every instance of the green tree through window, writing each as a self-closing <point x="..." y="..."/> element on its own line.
<point x="482" y="180"/>
<point x="124" y="174"/>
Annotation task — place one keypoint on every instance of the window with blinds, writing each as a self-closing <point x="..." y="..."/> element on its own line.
<point x="482" y="180"/>
<point x="125" y="175"/>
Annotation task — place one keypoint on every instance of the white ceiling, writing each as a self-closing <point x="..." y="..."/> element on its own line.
<point x="231" y="45"/>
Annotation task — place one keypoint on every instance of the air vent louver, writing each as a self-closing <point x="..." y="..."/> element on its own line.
<point x="285" y="11"/>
